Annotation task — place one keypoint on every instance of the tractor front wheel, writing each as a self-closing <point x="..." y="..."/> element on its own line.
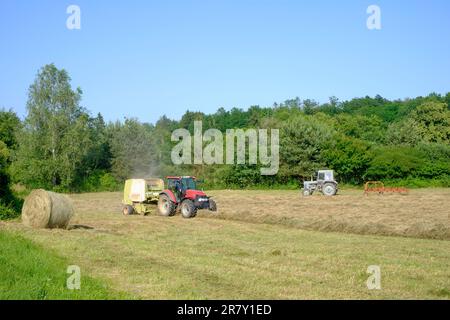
<point x="329" y="189"/>
<point x="165" y="206"/>
<point x="212" y="205"/>
<point x="188" y="209"/>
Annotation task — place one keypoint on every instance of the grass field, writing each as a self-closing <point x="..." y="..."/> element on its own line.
<point x="262" y="244"/>
<point x="30" y="272"/>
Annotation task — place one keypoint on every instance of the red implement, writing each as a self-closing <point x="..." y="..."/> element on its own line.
<point x="378" y="187"/>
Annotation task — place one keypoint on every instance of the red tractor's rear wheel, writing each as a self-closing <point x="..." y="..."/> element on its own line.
<point x="165" y="206"/>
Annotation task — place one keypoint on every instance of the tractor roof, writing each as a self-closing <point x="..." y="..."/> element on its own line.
<point x="179" y="177"/>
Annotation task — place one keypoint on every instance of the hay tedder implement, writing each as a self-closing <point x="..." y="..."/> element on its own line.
<point x="378" y="187"/>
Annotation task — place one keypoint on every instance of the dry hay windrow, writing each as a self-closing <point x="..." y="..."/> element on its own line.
<point x="420" y="214"/>
<point x="424" y="213"/>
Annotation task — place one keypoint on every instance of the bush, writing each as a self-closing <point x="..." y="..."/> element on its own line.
<point x="108" y="182"/>
<point x="99" y="180"/>
<point x="392" y="163"/>
<point x="443" y="182"/>
<point x="350" y="158"/>
<point x="8" y="212"/>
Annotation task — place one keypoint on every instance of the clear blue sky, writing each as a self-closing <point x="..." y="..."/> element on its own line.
<point x="148" y="58"/>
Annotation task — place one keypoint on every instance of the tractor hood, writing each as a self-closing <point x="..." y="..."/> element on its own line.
<point x="191" y="194"/>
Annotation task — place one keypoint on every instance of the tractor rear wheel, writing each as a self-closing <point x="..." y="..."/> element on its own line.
<point x="329" y="189"/>
<point x="165" y="206"/>
<point x="188" y="210"/>
<point x="127" y="210"/>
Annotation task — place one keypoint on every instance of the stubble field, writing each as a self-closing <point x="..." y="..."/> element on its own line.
<point x="263" y="245"/>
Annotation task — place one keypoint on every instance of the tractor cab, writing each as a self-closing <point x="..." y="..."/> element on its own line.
<point x="325" y="175"/>
<point x="180" y="185"/>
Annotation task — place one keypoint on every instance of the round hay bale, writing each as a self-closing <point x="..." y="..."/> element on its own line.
<point x="45" y="209"/>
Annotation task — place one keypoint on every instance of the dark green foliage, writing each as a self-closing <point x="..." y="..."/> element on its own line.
<point x="9" y="204"/>
<point x="4" y="178"/>
<point x="426" y="161"/>
<point x="350" y="158"/>
<point x="369" y="128"/>
<point x="8" y="212"/>
<point x="242" y="176"/>
<point x="394" y="163"/>
<point x="404" y="132"/>
<point x="303" y="141"/>
<point x="61" y="146"/>
<point x="9" y="124"/>
<point x="433" y="122"/>
<point x="100" y="180"/>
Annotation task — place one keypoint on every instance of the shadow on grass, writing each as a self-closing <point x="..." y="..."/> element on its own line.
<point x="79" y="226"/>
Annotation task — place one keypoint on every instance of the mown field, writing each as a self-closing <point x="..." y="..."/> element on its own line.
<point x="423" y="213"/>
<point x="261" y="245"/>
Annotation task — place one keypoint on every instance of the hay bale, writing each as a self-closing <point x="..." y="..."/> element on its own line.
<point x="45" y="209"/>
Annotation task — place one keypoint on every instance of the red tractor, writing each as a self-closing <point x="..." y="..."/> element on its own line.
<point x="182" y="195"/>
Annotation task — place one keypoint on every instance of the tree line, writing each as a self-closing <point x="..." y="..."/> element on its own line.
<point x="61" y="146"/>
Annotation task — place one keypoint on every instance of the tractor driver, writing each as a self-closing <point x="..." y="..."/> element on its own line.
<point x="179" y="189"/>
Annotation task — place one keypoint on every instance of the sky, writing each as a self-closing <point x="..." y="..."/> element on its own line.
<point x="146" y="59"/>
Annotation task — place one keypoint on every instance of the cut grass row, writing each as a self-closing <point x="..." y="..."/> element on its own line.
<point x="420" y="214"/>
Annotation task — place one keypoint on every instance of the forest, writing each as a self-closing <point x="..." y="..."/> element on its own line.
<point x="61" y="145"/>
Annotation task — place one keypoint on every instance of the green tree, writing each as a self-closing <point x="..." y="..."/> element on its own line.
<point x="9" y="204"/>
<point x="9" y="125"/>
<point x="369" y="128"/>
<point x="398" y="162"/>
<point x="404" y="132"/>
<point x="133" y="152"/>
<point x="55" y="138"/>
<point x="99" y="156"/>
<point x="4" y="178"/>
<point x="302" y="142"/>
<point x="433" y="121"/>
<point x="349" y="157"/>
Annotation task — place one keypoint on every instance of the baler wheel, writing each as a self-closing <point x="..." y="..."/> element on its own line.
<point x="127" y="210"/>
